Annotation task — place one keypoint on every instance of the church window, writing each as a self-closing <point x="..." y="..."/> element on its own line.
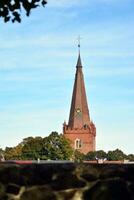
<point x="78" y="144"/>
<point x="86" y="126"/>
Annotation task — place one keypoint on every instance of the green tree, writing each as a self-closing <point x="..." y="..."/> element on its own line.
<point x="11" y="9"/>
<point x="130" y="157"/>
<point x="1" y="150"/>
<point x="13" y="153"/>
<point x="32" y="148"/>
<point x="90" y="155"/>
<point x="93" y="155"/>
<point x="116" y="155"/>
<point x="101" y="154"/>
<point x="1" y="154"/>
<point x="78" y="156"/>
<point x="53" y="147"/>
<point x="56" y="147"/>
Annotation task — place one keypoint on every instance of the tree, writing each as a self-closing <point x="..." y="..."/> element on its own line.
<point x="78" y="156"/>
<point x="130" y="157"/>
<point x="90" y="155"/>
<point x="116" y="155"/>
<point x="93" y="155"/>
<point x="11" y="9"/>
<point x="1" y="150"/>
<point x="1" y="154"/>
<point x="13" y="153"/>
<point x="53" y="147"/>
<point x="101" y="154"/>
<point x="32" y="148"/>
<point x="57" y="147"/>
<point x="111" y="155"/>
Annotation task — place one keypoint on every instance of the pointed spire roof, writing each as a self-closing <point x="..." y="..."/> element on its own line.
<point x="79" y="63"/>
<point x="79" y="113"/>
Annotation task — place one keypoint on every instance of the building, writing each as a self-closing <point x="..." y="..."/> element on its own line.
<point x="80" y="129"/>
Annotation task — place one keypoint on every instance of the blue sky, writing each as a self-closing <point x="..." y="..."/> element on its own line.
<point x="37" y="68"/>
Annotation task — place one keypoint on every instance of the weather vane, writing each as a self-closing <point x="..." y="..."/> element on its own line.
<point x="79" y="39"/>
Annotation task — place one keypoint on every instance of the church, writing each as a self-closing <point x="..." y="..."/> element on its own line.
<point x="80" y="130"/>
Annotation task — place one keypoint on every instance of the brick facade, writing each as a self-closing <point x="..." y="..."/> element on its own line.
<point x="86" y="135"/>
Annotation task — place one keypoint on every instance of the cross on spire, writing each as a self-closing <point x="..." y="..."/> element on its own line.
<point x="79" y="39"/>
<point x="80" y="129"/>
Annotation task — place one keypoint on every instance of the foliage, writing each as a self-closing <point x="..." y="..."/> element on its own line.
<point x="90" y="155"/>
<point x="93" y="155"/>
<point x="130" y="157"/>
<point x="101" y="154"/>
<point x="1" y="154"/>
<point x="1" y="150"/>
<point x="32" y="148"/>
<point x="11" y="9"/>
<point x="110" y="155"/>
<point x="53" y="147"/>
<point x="57" y="147"/>
<point x="78" y="156"/>
<point x="116" y="155"/>
<point x="13" y="153"/>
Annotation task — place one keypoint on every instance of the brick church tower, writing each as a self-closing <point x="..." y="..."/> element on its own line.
<point x="80" y="129"/>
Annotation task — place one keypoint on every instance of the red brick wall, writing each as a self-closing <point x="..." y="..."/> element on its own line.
<point x="87" y="137"/>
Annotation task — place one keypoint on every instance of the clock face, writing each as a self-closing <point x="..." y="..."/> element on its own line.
<point x="78" y="111"/>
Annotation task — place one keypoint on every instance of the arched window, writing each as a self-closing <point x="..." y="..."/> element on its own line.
<point x="78" y="144"/>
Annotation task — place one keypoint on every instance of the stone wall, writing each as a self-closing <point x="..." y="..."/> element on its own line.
<point x="66" y="181"/>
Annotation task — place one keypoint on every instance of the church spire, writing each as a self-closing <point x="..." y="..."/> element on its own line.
<point x="79" y="114"/>
<point x="79" y="63"/>
<point x="80" y="130"/>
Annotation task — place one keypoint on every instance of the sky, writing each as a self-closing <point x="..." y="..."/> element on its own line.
<point x="37" y="68"/>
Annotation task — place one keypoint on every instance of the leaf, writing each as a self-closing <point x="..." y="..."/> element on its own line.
<point x="43" y="3"/>
<point x="16" y="17"/>
<point x="6" y="19"/>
